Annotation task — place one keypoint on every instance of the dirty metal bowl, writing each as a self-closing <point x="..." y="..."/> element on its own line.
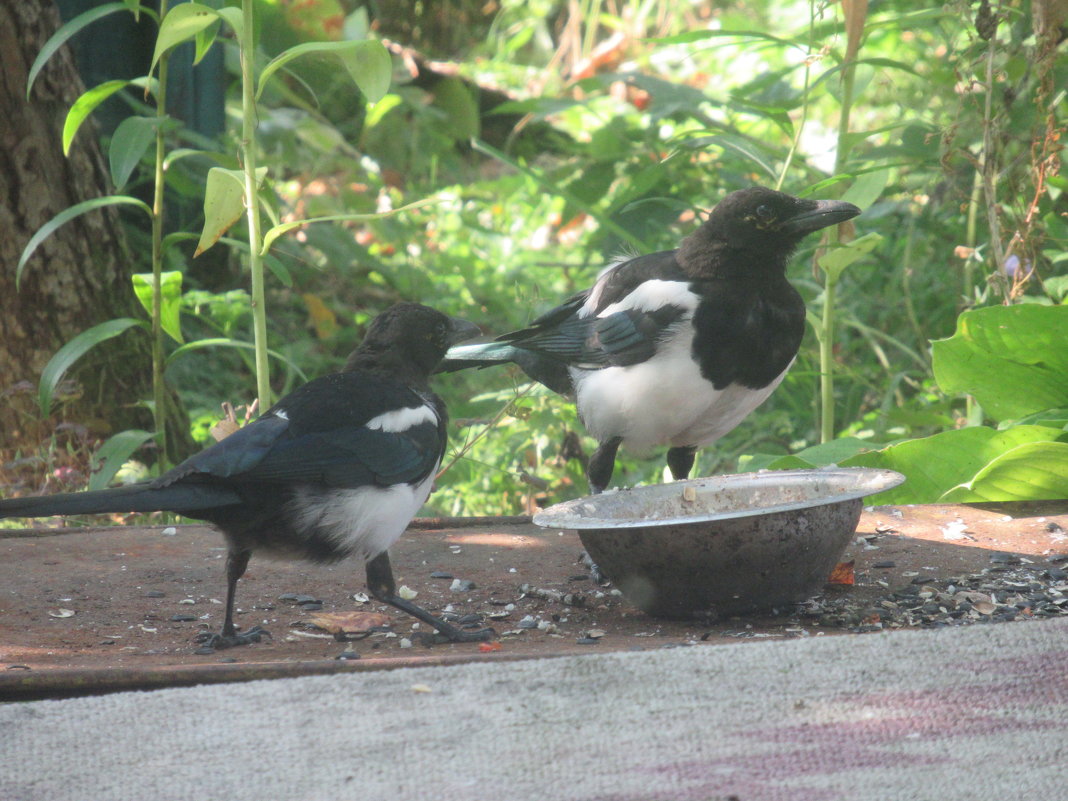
<point x="724" y="545"/>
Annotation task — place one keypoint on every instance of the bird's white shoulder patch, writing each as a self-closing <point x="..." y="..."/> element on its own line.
<point x="654" y="294"/>
<point x="281" y="414"/>
<point x="402" y="419"/>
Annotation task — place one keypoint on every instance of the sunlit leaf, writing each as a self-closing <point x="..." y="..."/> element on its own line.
<point x="224" y="203"/>
<point x="86" y="105"/>
<point x="128" y="144"/>
<point x="1035" y="471"/>
<point x="835" y="261"/>
<point x="867" y="188"/>
<point x="66" y="216"/>
<point x="1013" y="359"/>
<point x="367" y="62"/>
<point x="170" y="299"/>
<point x="223" y="342"/>
<point x="113" y="454"/>
<point x="65" y="357"/>
<point x="182" y="23"/>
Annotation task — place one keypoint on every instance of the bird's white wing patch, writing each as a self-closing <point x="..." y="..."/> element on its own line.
<point x="402" y="419"/>
<point x="654" y="294"/>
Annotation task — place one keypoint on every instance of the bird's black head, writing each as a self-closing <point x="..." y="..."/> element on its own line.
<point x="761" y="225"/>
<point x="408" y="340"/>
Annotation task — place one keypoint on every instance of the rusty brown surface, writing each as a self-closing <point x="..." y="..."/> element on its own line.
<point x="119" y="637"/>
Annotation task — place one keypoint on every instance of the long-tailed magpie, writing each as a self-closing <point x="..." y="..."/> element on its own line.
<point x="675" y="347"/>
<point x="336" y="468"/>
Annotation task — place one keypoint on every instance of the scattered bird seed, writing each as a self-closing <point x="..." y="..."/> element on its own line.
<point x="527" y="623"/>
<point x="184" y="618"/>
<point x="406" y="592"/>
<point x="154" y="594"/>
<point x="441" y="574"/>
<point x="587" y="640"/>
<point x="886" y="564"/>
<point x="204" y="650"/>
<point x="462" y="585"/>
<point x="345" y="655"/>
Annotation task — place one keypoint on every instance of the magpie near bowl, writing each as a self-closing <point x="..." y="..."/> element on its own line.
<point x="725" y="545"/>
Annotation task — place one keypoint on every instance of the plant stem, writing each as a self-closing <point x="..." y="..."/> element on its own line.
<point x="849" y="69"/>
<point x="255" y="236"/>
<point x="159" y="407"/>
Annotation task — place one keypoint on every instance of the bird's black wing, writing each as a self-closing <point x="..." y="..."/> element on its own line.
<point x="573" y="333"/>
<point x="320" y="434"/>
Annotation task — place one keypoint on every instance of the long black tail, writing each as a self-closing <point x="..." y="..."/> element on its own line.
<point x="134" y="498"/>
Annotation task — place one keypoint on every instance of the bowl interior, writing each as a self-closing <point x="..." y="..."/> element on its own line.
<point x="718" y="498"/>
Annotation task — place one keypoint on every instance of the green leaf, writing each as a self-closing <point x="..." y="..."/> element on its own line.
<point x="278" y="230"/>
<point x="224" y="203"/>
<point x="113" y="454"/>
<point x="835" y="261"/>
<point x="936" y="464"/>
<point x="1012" y="359"/>
<point x="824" y="454"/>
<point x="1036" y="471"/>
<point x="462" y="121"/>
<point x="204" y="40"/>
<point x="182" y="23"/>
<point x="367" y="62"/>
<point x="222" y="159"/>
<point x="66" y="31"/>
<point x="67" y="215"/>
<point x="222" y="342"/>
<point x="746" y="149"/>
<point x="698" y="36"/>
<point x="66" y="356"/>
<point x="128" y="144"/>
<point x="86" y="105"/>
<point x="170" y="302"/>
<point x="867" y="188"/>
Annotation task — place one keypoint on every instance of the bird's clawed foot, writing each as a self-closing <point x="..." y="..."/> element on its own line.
<point x="211" y="639"/>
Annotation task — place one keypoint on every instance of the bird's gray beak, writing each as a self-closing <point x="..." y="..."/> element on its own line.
<point x="461" y="330"/>
<point x="820" y="215"/>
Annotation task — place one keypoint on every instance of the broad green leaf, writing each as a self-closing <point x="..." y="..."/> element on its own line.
<point x="462" y="120"/>
<point x="113" y="454"/>
<point x="66" y="216"/>
<point x="827" y="453"/>
<point x="128" y="144"/>
<point x="1012" y="359"/>
<point x="65" y="32"/>
<point x="233" y="18"/>
<point x="278" y="230"/>
<point x="936" y="464"/>
<point x="66" y="356"/>
<point x="1035" y="471"/>
<point x="367" y="62"/>
<point x="867" y="188"/>
<point x="837" y="260"/>
<point x="182" y="23"/>
<point x="224" y="203"/>
<point x="170" y="300"/>
<point x="86" y="105"/>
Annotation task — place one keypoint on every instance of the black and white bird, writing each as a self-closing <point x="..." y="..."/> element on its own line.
<point x="677" y="347"/>
<point x="335" y="469"/>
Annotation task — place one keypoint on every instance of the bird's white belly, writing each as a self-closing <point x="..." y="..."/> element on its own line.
<point x="365" y="521"/>
<point x="662" y="401"/>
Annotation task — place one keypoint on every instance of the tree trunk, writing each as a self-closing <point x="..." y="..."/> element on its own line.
<point x="79" y="276"/>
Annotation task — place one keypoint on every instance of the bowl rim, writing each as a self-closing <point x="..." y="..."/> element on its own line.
<point x="870" y="481"/>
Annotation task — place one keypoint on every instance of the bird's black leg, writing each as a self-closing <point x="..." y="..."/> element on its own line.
<point x="680" y="461"/>
<point x="236" y="564"/>
<point x="603" y="461"/>
<point x="380" y="583"/>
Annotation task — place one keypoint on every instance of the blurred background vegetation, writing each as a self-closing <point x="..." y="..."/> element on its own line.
<point x="552" y="135"/>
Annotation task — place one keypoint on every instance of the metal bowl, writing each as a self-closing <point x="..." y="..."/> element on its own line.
<point x="724" y="545"/>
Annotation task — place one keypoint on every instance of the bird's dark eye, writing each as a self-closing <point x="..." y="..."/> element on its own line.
<point x="764" y="213"/>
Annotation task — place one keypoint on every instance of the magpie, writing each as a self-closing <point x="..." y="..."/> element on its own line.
<point x="337" y="468"/>
<point x="675" y="347"/>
